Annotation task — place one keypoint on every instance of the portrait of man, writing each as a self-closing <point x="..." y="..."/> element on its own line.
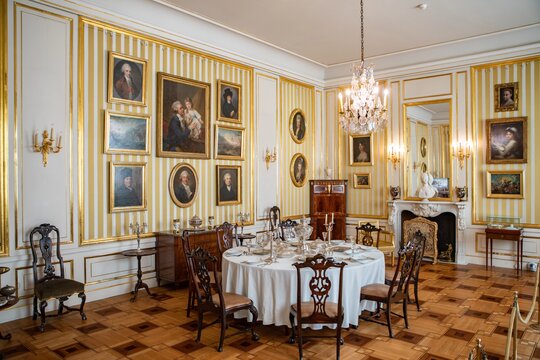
<point x="229" y="101"/>
<point x="507" y="140"/>
<point x="183" y="184"/>
<point x="360" y="150"/>
<point x="298" y="169"/>
<point x="228" y="184"/>
<point x="127" y="185"/>
<point x="298" y="126"/>
<point x="506" y="97"/>
<point x="126" y="79"/>
<point x="183" y="129"/>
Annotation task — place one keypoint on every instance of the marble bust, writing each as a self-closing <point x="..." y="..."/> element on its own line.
<point x="427" y="190"/>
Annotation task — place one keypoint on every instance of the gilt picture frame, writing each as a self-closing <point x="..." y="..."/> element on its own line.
<point x="183" y="117"/>
<point x="506" y="97"/>
<point x="506" y="140"/>
<point x="127" y="186"/>
<point x="127" y="79"/>
<point x="504" y="184"/>
<point x="361" y="150"/>
<point x="229" y="142"/>
<point x="126" y="133"/>
<point x="228" y="184"/>
<point x="229" y="102"/>
<point x="299" y="169"/>
<point x="298" y="126"/>
<point x="362" y="181"/>
<point x="183" y="185"/>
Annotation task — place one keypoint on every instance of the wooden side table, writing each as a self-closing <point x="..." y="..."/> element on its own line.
<point x="10" y="302"/>
<point x="242" y="237"/>
<point x="140" y="284"/>
<point x="504" y="234"/>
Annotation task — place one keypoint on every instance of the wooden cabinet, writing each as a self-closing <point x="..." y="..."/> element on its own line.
<point x="171" y="263"/>
<point x="327" y="197"/>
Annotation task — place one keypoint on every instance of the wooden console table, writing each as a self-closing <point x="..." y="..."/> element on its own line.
<point x="504" y="234"/>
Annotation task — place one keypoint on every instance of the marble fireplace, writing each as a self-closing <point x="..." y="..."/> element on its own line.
<point x="397" y="209"/>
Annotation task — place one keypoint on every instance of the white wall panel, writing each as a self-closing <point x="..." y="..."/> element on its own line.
<point x="43" y="78"/>
<point x="266" y="115"/>
<point x="427" y="87"/>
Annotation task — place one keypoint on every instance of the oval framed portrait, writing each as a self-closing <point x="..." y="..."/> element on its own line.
<point x="297" y="126"/>
<point x="298" y="169"/>
<point x="183" y="185"/>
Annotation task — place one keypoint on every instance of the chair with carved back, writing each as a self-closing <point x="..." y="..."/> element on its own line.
<point x="386" y="244"/>
<point x="428" y="228"/>
<point x="287" y="230"/>
<point x="203" y="267"/>
<point x="366" y="232"/>
<point x="226" y="238"/>
<point x="319" y="310"/>
<point x="396" y="291"/>
<point x="274" y="216"/>
<point x="52" y="286"/>
<point x="418" y="242"/>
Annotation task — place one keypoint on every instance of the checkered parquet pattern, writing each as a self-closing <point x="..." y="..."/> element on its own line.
<point x="459" y="304"/>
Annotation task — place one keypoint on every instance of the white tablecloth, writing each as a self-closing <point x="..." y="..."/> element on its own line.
<point x="273" y="287"/>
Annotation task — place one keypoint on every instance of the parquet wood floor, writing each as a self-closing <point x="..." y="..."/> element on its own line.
<point x="459" y="304"/>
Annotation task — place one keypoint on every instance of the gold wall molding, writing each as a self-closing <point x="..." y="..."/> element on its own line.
<point x="87" y="262"/>
<point x="19" y="243"/>
<point x="96" y="225"/>
<point x="483" y="79"/>
<point x="4" y="152"/>
<point x="22" y="269"/>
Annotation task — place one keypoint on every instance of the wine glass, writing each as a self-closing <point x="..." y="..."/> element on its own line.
<point x="325" y="235"/>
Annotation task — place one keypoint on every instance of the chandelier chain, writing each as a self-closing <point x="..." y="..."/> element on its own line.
<point x="362" y="29"/>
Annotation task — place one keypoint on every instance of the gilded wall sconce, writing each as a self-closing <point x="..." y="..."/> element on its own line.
<point x="47" y="145"/>
<point x="394" y="155"/>
<point x="270" y="157"/>
<point x="462" y="151"/>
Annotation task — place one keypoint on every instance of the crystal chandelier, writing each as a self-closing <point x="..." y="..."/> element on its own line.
<point x="362" y="112"/>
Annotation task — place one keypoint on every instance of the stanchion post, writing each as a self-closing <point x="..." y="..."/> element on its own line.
<point x="537" y="325"/>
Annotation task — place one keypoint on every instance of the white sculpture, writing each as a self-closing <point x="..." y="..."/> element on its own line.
<point x="427" y="190"/>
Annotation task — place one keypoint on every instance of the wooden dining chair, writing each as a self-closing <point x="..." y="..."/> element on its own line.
<point x="319" y="310"/>
<point x="226" y="239"/>
<point x="274" y="216"/>
<point x="365" y="234"/>
<point x="211" y="297"/>
<point x="52" y="285"/>
<point x="396" y="291"/>
<point x="418" y="242"/>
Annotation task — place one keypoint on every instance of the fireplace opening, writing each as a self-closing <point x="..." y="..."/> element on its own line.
<point x="446" y="234"/>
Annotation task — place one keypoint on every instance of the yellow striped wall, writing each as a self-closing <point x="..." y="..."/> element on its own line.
<point x="96" y="223"/>
<point x="294" y="201"/>
<point x="527" y="73"/>
<point x="365" y="203"/>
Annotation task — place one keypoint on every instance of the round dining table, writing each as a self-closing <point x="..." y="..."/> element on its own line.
<point x="272" y="287"/>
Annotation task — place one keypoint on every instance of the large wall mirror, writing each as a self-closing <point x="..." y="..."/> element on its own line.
<point x="427" y="140"/>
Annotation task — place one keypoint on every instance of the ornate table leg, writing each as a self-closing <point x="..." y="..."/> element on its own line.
<point x="140" y="283"/>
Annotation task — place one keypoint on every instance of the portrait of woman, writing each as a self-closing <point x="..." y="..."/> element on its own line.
<point x="298" y="170"/>
<point x="297" y="126"/>
<point x="507" y="139"/>
<point x="360" y="150"/>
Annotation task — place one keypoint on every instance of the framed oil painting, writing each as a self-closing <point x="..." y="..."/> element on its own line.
<point x="297" y="126"/>
<point x="127" y="186"/>
<point x="505" y="184"/>
<point x="127" y="133"/>
<point x="443" y="187"/>
<point x="229" y="98"/>
<point x="127" y="79"/>
<point x="183" y="117"/>
<point x="362" y="181"/>
<point x="183" y="185"/>
<point x="507" y="140"/>
<point x="229" y="184"/>
<point x="229" y="142"/>
<point x="506" y="97"/>
<point x="361" y="150"/>
<point x="298" y="169"/>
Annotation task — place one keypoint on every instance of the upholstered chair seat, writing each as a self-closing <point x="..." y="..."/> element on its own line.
<point x="232" y="301"/>
<point x="55" y="288"/>
<point x="309" y="306"/>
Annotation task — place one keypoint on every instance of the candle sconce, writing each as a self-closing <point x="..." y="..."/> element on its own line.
<point x="394" y="155"/>
<point x="47" y="145"/>
<point x="462" y="151"/>
<point x="270" y="157"/>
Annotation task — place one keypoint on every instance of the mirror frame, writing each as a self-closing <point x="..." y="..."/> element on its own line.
<point x="406" y="143"/>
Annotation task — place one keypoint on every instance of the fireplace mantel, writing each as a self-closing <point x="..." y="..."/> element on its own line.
<point x="431" y="209"/>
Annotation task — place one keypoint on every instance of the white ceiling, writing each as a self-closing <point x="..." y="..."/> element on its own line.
<point x="328" y="32"/>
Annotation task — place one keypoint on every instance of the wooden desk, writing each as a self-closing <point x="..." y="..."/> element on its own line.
<point x="504" y="234"/>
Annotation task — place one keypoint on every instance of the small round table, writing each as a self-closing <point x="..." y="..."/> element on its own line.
<point x="242" y="237"/>
<point x="10" y="302"/>
<point x="140" y="284"/>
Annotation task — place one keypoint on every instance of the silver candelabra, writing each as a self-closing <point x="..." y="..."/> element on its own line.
<point x="137" y="229"/>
